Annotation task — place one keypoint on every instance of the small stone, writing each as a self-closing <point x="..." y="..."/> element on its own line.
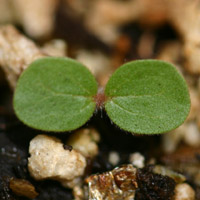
<point x="78" y="193"/>
<point x="192" y="137"/>
<point x="85" y="141"/>
<point x="56" y="47"/>
<point x="113" y="158"/>
<point x="50" y="160"/>
<point x="16" y="53"/>
<point x="137" y="160"/>
<point x="183" y="191"/>
<point x="178" y="178"/>
<point x="120" y="183"/>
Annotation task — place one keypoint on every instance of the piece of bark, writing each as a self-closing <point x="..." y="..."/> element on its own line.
<point x="22" y="187"/>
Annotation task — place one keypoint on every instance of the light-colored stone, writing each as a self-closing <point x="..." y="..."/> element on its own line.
<point x="195" y="103"/>
<point x="171" y="140"/>
<point x="49" y="160"/>
<point x="187" y="132"/>
<point x="56" y="47"/>
<point x="36" y="17"/>
<point x="85" y="141"/>
<point x="16" y="53"/>
<point x="183" y="191"/>
<point x="78" y="193"/>
<point x="113" y="158"/>
<point x="95" y="61"/>
<point x="137" y="159"/>
<point x="192" y="136"/>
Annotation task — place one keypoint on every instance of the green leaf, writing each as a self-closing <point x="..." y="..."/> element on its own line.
<point x="147" y="97"/>
<point x="55" y="94"/>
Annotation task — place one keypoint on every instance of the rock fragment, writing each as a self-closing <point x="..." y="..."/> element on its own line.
<point x="36" y="17"/>
<point x="187" y="132"/>
<point x="56" y="47"/>
<point x="137" y="159"/>
<point x="85" y="141"/>
<point x="178" y="178"/>
<point x="49" y="160"/>
<point x="120" y="183"/>
<point x="183" y="191"/>
<point x="113" y="158"/>
<point x="16" y="53"/>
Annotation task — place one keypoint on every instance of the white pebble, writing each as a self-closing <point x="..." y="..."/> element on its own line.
<point x="85" y="141"/>
<point x="137" y="160"/>
<point x="183" y="191"/>
<point x="113" y="158"/>
<point x="192" y="136"/>
<point x="50" y="160"/>
<point x="95" y="61"/>
<point x="171" y="140"/>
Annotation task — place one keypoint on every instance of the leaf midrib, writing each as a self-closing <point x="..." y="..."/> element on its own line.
<point x="132" y="113"/>
<point x="80" y="111"/>
<point x="134" y="96"/>
<point x="60" y="94"/>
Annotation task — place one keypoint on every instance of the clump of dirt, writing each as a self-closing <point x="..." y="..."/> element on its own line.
<point x="154" y="186"/>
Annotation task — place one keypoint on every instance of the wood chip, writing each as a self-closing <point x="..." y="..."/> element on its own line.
<point x="22" y="187"/>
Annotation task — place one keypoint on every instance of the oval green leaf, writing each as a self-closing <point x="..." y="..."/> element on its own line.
<point x="147" y="97"/>
<point x="55" y="94"/>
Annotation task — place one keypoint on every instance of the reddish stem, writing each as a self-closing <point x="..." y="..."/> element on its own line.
<point x="100" y="98"/>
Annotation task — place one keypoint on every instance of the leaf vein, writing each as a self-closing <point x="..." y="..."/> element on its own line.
<point x="59" y="94"/>
<point x="132" y="113"/>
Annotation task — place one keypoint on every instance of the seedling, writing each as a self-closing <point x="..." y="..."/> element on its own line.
<point x="143" y="97"/>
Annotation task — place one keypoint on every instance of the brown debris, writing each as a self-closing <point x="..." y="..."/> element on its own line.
<point x="119" y="183"/>
<point x="154" y="186"/>
<point x="146" y="45"/>
<point x="178" y="178"/>
<point x="183" y="154"/>
<point x="22" y="187"/>
<point x="185" y="160"/>
<point x="171" y="51"/>
<point x="16" y="53"/>
<point x="121" y="48"/>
